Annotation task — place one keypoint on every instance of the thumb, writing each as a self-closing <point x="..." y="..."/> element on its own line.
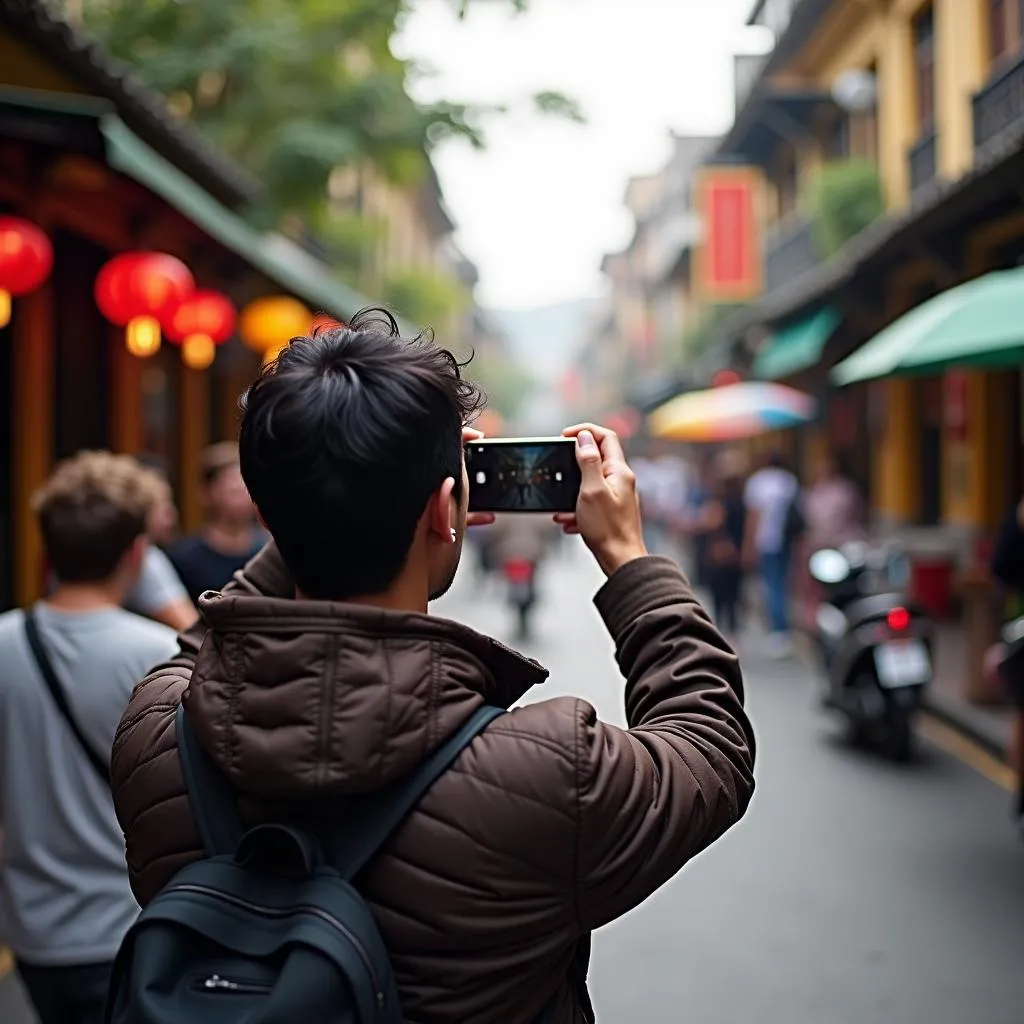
<point x="588" y="455"/>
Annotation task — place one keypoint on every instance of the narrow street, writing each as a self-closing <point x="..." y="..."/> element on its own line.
<point x="855" y="892"/>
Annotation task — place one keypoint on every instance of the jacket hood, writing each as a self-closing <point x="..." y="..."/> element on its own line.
<point x="307" y="699"/>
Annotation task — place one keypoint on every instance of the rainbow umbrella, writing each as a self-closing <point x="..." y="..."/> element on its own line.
<point x="731" y="412"/>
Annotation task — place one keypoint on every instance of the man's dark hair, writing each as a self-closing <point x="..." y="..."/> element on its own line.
<point x="344" y="437"/>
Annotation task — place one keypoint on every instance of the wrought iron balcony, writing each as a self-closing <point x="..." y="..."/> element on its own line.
<point x="1000" y="104"/>
<point x="922" y="161"/>
<point x="789" y="252"/>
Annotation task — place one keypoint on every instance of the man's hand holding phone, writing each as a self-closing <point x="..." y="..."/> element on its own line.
<point x="607" y="513"/>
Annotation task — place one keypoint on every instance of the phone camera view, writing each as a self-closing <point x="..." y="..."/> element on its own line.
<point x="522" y="476"/>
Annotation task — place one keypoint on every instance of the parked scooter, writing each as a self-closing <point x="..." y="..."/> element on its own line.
<point x="876" y="645"/>
<point x="520" y="580"/>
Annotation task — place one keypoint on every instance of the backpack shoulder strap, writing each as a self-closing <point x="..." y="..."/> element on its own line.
<point x="49" y="674"/>
<point x="210" y="794"/>
<point x="374" y="817"/>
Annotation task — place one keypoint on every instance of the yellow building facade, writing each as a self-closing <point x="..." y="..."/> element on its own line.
<point x="930" y="60"/>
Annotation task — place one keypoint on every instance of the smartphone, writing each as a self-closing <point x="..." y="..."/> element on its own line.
<point x="523" y="474"/>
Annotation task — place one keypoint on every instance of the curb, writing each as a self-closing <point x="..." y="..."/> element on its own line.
<point x="949" y="716"/>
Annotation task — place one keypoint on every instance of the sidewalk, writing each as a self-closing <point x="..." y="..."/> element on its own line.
<point x="987" y="725"/>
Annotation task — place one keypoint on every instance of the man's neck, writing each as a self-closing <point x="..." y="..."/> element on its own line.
<point x="227" y="537"/>
<point x="86" y="597"/>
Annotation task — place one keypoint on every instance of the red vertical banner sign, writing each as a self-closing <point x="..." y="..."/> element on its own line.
<point x="729" y="264"/>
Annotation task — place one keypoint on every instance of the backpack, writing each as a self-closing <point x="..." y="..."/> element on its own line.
<point x="269" y="929"/>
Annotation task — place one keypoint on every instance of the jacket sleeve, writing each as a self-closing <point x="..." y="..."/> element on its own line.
<point x="655" y="795"/>
<point x="144" y="771"/>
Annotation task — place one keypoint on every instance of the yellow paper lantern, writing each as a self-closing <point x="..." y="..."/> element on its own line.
<point x="267" y="324"/>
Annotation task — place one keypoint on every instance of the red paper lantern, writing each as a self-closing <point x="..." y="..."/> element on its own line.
<point x="201" y="322"/>
<point x="139" y="291"/>
<point x="26" y="259"/>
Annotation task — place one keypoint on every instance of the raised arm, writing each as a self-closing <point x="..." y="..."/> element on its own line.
<point x="653" y="796"/>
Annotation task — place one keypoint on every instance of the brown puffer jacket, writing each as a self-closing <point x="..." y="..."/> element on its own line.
<point x="550" y="824"/>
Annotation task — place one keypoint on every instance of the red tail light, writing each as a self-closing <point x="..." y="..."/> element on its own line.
<point x="898" y="619"/>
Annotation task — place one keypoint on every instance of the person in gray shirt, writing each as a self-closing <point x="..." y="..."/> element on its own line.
<point x="65" y="902"/>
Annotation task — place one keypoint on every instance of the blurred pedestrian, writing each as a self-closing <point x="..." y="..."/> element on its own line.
<point x="70" y="664"/>
<point x="722" y="528"/>
<point x="770" y="496"/>
<point x="833" y="514"/>
<point x="159" y="593"/>
<point x="832" y="507"/>
<point x="229" y="537"/>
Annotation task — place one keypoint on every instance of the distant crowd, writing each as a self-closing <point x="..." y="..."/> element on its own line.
<point x="732" y="522"/>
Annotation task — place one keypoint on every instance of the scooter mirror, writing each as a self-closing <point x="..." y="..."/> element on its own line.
<point x="829" y="566"/>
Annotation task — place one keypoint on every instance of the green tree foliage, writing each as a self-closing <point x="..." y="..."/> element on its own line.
<point x="846" y="197"/>
<point x="506" y="383"/>
<point x="423" y="297"/>
<point x="291" y="88"/>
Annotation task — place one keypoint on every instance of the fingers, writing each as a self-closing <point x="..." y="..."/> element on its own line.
<point x="471" y="434"/>
<point x="607" y="440"/>
<point x="588" y="455"/>
<point x="479" y="518"/>
<point x="567" y="521"/>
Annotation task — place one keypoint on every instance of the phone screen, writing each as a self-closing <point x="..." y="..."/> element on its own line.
<point x="523" y="475"/>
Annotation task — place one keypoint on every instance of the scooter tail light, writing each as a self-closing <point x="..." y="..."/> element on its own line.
<point x="898" y="619"/>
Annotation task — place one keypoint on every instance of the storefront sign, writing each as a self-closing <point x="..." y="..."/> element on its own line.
<point x="729" y="258"/>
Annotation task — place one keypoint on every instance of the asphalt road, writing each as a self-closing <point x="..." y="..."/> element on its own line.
<point x="854" y="892"/>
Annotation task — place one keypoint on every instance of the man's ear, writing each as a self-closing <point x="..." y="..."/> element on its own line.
<point x="442" y="516"/>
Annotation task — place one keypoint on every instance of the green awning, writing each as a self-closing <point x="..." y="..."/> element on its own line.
<point x="796" y="346"/>
<point x="279" y="259"/>
<point x="979" y="324"/>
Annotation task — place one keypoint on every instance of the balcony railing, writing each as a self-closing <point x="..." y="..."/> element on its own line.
<point x="922" y="161"/>
<point x="789" y="253"/>
<point x="1000" y="104"/>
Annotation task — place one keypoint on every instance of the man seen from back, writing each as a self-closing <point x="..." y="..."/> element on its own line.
<point x="322" y="677"/>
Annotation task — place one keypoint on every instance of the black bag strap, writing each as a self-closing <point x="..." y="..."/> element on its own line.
<point x="210" y="794"/>
<point x="373" y="817"/>
<point x="46" y="670"/>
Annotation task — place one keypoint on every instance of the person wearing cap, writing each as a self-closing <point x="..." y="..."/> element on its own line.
<point x="207" y="559"/>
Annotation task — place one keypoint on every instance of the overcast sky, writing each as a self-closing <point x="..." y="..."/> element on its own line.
<point x="540" y="206"/>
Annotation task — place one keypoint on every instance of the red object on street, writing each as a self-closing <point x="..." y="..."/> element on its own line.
<point x="26" y="259"/>
<point x="724" y="378"/>
<point x="931" y="585"/>
<point x="518" y="570"/>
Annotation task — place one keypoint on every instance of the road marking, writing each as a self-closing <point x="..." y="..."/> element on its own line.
<point x="6" y="962"/>
<point x="968" y="752"/>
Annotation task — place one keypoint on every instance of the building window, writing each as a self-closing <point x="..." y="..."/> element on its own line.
<point x="1005" y="28"/>
<point x="837" y="142"/>
<point x="998" y="37"/>
<point x="924" y="68"/>
<point x="863" y="130"/>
